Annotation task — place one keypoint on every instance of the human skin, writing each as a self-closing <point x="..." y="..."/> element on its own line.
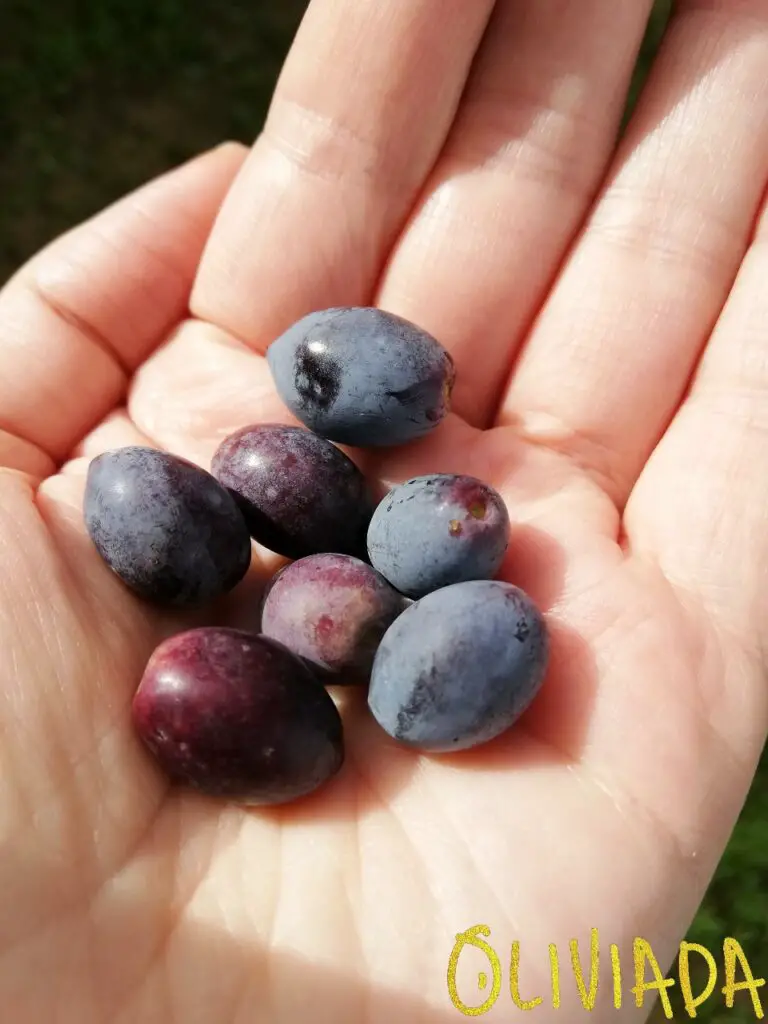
<point x="618" y="302"/>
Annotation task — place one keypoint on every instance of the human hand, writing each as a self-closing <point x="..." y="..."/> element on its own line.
<point x="611" y="384"/>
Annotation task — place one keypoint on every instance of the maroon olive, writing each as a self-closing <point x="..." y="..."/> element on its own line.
<point x="239" y="716"/>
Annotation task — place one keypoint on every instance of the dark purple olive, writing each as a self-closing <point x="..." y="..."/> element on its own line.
<point x="165" y="526"/>
<point x="460" y="666"/>
<point x="299" y="494"/>
<point x="237" y="716"/>
<point x="331" y="610"/>
<point x="362" y="376"/>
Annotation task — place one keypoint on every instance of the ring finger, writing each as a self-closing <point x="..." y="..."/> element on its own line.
<point x="610" y="355"/>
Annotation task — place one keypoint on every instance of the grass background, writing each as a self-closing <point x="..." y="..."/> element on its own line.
<point x="95" y="98"/>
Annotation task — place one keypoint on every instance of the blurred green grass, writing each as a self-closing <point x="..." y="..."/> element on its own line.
<point x="95" y="98"/>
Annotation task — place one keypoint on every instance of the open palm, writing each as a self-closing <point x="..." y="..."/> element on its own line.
<point x="607" y="310"/>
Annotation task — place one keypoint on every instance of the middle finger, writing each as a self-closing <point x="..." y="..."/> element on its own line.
<point x="535" y="129"/>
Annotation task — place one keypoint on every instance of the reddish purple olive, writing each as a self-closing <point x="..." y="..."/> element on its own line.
<point x="237" y="716"/>
<point x="332" y="610"/>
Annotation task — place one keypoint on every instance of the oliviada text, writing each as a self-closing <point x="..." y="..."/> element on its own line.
<point x="734" y="974"/>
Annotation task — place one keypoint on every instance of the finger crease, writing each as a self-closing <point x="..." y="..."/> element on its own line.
<point x="551" y="145"/>
<point x="322" y="147"/>
<point x="585" y="452"/>
<point x="665" y="225"/>
<point x="70" y="316"/>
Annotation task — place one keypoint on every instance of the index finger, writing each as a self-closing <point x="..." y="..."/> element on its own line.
<point x="360" y="113"/>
